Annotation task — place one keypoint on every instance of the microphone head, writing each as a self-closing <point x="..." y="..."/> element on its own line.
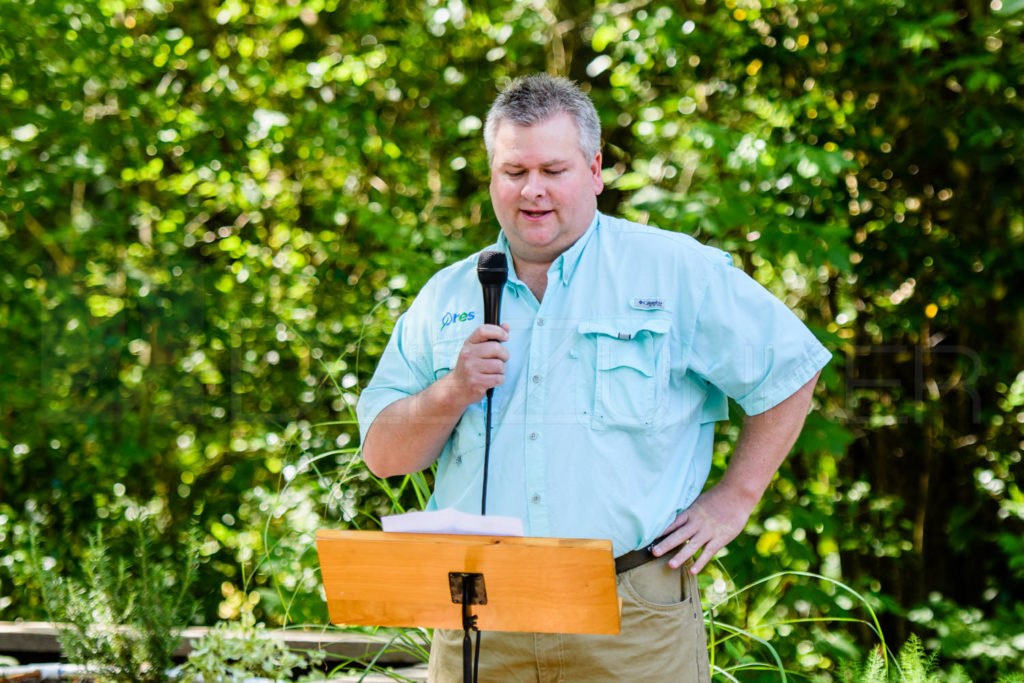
<point x="492" y="268"/>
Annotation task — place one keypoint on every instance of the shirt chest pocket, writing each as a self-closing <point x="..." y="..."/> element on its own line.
<point x="469" y="431"/>
<point x="445" y="356"/>
<point x="630" y="372"/>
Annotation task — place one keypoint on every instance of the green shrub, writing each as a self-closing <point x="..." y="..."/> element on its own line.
<point x="123" y="617"/>
<point x="232" y="650"/>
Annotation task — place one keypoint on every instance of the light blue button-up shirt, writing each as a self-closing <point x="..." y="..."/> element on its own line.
<point x="604" y="425"/>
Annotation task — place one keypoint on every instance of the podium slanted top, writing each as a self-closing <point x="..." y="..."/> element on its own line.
<point x="547" y="585"/>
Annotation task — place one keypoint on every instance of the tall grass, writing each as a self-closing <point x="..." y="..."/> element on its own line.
<point x="770" y="659"/>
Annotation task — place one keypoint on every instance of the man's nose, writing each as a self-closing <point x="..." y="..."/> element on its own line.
<point x="534" y="186"/>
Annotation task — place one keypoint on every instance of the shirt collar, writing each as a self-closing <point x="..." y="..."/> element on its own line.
<point x="569" y="259"/>
<point x="566" y="263"/>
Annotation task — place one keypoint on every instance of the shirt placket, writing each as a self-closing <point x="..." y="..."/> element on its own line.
<point x="538" y="509"/>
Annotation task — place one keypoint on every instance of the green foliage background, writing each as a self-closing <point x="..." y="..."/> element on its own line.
<point x="211" y="213"/>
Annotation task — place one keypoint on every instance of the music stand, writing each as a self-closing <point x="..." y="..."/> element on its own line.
<point x="546" y="585"/>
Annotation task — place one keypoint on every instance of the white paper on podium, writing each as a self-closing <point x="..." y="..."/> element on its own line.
<point x="451" y="521"/>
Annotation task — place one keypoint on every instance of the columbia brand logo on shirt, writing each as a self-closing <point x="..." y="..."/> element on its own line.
<point x="649" y="304"/>
<point x="452" y="317"/>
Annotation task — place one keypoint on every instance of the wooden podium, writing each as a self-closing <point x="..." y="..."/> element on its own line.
<point x="548" y="585"/>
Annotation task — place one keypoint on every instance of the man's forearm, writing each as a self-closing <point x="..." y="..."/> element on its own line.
<point x="764" y="443"/>
<point x="409" y="434"/>
<point x="720" y="513"/>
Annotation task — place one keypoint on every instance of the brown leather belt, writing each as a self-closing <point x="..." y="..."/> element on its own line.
<point x="636" y="558"/>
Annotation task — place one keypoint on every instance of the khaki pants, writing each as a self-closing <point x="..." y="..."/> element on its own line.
<point x="662" y="639"/>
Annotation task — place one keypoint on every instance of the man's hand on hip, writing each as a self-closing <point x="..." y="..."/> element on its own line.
<point x="708" y="525"/>
<point x="720" y="513"/>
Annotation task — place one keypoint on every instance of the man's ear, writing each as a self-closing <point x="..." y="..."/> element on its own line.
<point x="595" y="170"/>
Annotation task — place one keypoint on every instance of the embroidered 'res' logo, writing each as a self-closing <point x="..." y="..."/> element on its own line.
<point x="451" y="317"/>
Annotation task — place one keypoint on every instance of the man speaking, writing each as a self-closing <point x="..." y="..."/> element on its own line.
<point x="617" y="349"/>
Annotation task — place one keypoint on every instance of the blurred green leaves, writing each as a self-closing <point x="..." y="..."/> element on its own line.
<point x="211" y="214"/>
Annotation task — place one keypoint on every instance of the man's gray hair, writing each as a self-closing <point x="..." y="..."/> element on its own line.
<point x="533" y="99"/>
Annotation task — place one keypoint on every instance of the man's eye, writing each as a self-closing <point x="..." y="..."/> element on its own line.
<point x="514" y="174"/>
<point x="553" y="171"/>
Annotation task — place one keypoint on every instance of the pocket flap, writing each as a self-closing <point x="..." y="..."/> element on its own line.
<point x="626" y="343"/>
<point x="636" y="353"/>
<point x="624" y="328"/>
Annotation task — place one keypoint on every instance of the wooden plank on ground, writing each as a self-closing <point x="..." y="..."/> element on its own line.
<point x="37" y="637"/>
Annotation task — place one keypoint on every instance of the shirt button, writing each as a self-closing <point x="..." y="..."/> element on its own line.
<point x="458" y="460"/>
<point x="536" y="379"/>
<point x="533" y="436"/>
<point x="535" y="499"/>
<point x="540" y="322"/>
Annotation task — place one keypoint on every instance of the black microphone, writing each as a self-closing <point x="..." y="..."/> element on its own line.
<point x="492" y="269"/>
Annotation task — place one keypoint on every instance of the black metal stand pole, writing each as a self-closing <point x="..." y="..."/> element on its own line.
<point x="468" y="624"/>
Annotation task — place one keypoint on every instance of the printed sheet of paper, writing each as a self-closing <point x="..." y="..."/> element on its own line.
<point x="451" y="521"/>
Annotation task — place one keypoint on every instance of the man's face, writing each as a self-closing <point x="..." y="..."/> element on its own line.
<point x="543" y="190"/>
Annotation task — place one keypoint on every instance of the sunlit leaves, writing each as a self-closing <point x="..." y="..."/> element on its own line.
<point x="218" y="203"/>
<point x="212" y="213"/>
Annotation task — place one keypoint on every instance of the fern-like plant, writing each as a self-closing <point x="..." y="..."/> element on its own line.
<point x="913" y="664"/>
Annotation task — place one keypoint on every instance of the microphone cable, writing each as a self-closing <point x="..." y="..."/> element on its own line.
<point x="487" y="452"/>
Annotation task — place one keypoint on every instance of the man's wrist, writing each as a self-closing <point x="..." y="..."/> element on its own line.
<point x="745" y="494"/>
<point x="449" y="396"/>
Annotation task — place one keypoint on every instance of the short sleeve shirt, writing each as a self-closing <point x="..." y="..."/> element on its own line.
<point x="604" y="425"/>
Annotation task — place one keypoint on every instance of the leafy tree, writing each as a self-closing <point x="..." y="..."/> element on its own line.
<point x="211" y="213"/>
